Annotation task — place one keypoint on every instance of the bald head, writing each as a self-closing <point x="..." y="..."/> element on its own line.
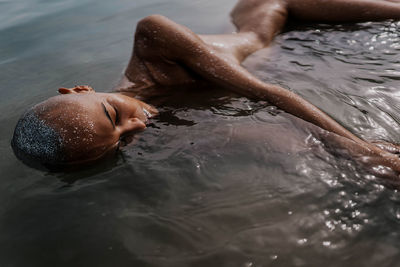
<point x="76" y="128"/>
<point x="34" y="139"/>
<point x="54" y="132"/>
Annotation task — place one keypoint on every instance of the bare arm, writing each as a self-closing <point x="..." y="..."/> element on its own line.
<point x="258" y="21"/>
<point x="181" y="45"/>
<point x="189" y="50"/>
<point x="175" y="53"/>
<point x="236" y="78"/>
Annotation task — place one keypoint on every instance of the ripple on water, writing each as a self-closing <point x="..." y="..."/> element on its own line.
<point x="242" y="183"/>
<point x="262" y="188"/>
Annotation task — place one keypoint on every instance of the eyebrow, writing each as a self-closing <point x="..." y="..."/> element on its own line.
<point x="108" y="115"/>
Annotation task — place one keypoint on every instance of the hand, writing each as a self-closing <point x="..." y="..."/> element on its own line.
<point x="389" y="147"/>
<point x="76" y="89"/>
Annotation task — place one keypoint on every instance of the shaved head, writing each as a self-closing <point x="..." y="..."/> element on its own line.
<point x="54" y="132"/>
<point x="35" y="140"/>
<point x="76" y="128"/>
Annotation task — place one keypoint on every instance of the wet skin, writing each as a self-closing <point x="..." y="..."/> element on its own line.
<point x="108" y="119"/>
<point x="167" y="54"/>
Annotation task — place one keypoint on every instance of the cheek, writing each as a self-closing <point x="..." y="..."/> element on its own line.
<point x="105" y="136"/>
<point x="129" y="110"/>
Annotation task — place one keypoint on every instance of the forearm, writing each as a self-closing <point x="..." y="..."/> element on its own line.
<point x="301" y="108"/>
<point x="334" y="134"/>
<point x="234" y="77"/>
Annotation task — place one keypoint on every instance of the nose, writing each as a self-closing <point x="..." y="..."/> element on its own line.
<point x="132" y="125"/>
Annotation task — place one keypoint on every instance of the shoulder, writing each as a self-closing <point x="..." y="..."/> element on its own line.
<point x="154" y="21"/>
<point x="165" y="33"/>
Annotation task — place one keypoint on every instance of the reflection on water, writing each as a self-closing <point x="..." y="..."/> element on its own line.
<point x="217" y="180"/>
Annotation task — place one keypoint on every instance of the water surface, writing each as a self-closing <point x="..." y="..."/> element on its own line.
<point x="217" y="180"/>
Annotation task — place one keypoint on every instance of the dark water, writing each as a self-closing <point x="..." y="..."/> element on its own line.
<point x="218" y="180"/>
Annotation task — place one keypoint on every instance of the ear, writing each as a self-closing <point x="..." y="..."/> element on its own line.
<point x="76" y="90"/>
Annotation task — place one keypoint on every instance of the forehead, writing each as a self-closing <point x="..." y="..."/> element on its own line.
<point x="71" y="101"/>
<point x="78" y="114"/>
<point x="81" y="122"/>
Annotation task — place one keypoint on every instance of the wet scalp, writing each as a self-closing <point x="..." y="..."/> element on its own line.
<point x="34" y="139"/>
<point x="55" y="133"/>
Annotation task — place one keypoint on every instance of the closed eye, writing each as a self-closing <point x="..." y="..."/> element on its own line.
<point x="116" y="115"/>
<point x="108" y="115"/>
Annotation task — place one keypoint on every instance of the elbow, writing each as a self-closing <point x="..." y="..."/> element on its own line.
<point x="151" y="23"/>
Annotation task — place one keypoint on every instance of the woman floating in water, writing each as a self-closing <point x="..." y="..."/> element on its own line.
<point x="81" y="126"/>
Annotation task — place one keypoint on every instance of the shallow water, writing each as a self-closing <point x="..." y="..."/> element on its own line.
<point x="217" y="180"/>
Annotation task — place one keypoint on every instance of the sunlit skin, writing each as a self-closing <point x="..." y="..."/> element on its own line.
<point x="112" y="117"/>
<point x="169" y="55"/>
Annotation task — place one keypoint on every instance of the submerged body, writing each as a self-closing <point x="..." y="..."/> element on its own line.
<point x="169" y="55"/>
